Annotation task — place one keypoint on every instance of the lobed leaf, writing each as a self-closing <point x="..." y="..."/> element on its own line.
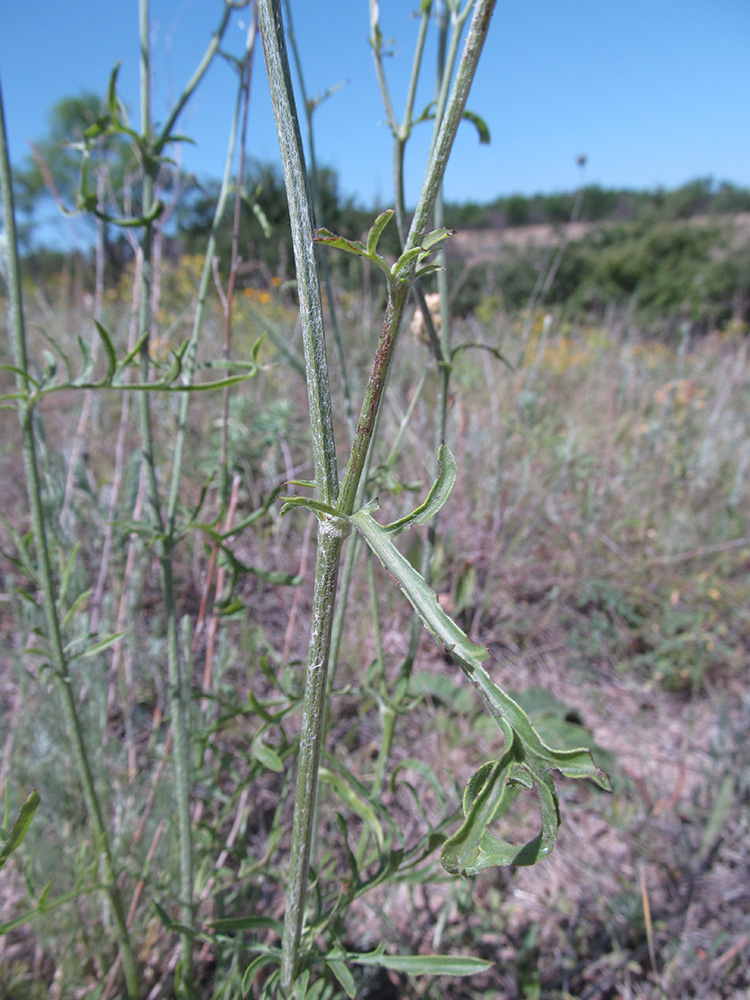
<point x="326" y="237"/>
<point x="527" y="761"/>
<point x="439" y="493"/>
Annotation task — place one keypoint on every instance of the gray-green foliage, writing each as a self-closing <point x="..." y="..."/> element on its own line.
<point x="238" y="736"/>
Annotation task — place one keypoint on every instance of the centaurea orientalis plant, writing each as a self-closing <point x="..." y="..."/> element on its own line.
<point x="343" y="500"/>
<point x="526" y="761"/>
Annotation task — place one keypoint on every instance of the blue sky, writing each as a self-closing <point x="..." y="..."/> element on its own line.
<point x="654" y="94"/>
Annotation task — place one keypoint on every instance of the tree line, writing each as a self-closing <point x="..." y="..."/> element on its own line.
<point x="647" y="251"/>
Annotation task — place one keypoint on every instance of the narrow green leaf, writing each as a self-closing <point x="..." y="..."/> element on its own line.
<point x="480" y="124"/>
<point x="58" y="349"/>
<point x="44" y="903"/>
<point x="162" y="914"/>
<point x="439" y="493"/>
<point x="112" y="101"/>
<point x="421" y="596"/>
<point x="75" y="607"/>
<point x="343" y="975"/>
<point x="102" y="644"/>
<point x="20" y="828"/>
<point x="424" y="965"/>
<point x="262" y="218"/>
<point x="431" y="240"/>
<point x="254" y="968"/>
<point x="719" y="812"/>
<point x="50" y="366"/>
<point x="351" y="858"/>
<point x="432" y="268"/>
<point x="266" y="755"/>
<point x="228" y="925"/>
<point x="404" y="260"/>
<point x="133" y="353"/>
<point x="19" y="371"/>
<point x="320" y="509"/>
<point x="375" y="233"/>
<point x="478" y="345"/>
<point x="66" y="574"/>
<point x="109" y="351"/>
<point x="429" y="245"/>
<point x="329" y="239"/>
<point x="354" y="801"/>
<point x="88" y="361"/>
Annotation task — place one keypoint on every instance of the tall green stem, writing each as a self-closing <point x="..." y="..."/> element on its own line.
<point x="301" y="219"/>
<point x="26" y="404"/>
<point x="332" y="530"/>
<point x="331" y="533"/>
<point x="310" y="106"/>
<point x="177" y="693"/>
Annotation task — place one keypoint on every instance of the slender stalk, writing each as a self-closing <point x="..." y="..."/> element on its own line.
<point x="310" y="106"/>
<point x="312" y="727"/>
<point x="398" y="295"/>
<point x="480" y="23"/>
<point x="332" y="530"/>
<point x="203" y="291"/>
<point x="165" y="528"/>
<point x="444" y="73"/>
<point x="16" y="327"/>
<point x="177" y="694"/>
<point x="400" y="132"/>
<point x="301" y="218"/>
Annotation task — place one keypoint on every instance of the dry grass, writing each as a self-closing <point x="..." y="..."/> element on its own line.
<point x="597" y="543"/>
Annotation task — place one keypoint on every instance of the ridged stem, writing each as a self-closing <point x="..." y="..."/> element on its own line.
<point x="332" y="531"/>
<point x="17" y="332"/>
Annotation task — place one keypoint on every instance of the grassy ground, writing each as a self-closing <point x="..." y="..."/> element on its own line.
<point x="597" y="542"/>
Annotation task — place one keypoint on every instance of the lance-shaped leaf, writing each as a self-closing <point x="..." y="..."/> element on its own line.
<point x="376" y="231"/>
<point x="439" y="493"/>
<point x="422" y="965"/>
<point x="19" y="829"/>
<point x="487" y="797"/>
<point x="470" y="116"/>
<point x="527" y="761"/>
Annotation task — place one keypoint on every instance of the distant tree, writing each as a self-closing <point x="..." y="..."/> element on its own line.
<point x="693" y="198"/>
<point x="598" y="203"/>
<point x="517" y="210"/>
<point x="729" y="199"/>
<point x="557" y="208"/>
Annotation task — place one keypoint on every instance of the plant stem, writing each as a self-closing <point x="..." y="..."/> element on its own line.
<point x="330" y="541"/>
<point x="17" y="333"/>
<point x="332" y="530"/>
<point x="301" y="219"/>
<point x="331" y="533"/>
<point x="310" y="106"/>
